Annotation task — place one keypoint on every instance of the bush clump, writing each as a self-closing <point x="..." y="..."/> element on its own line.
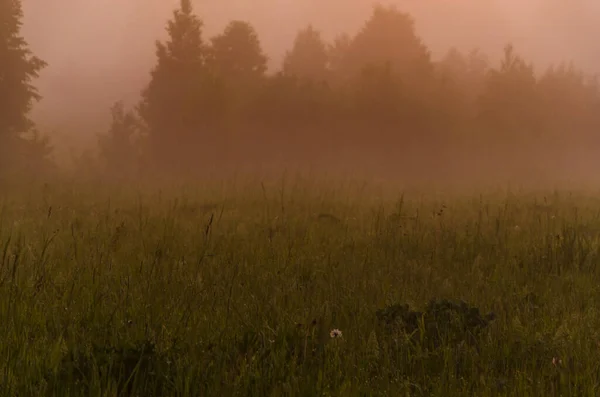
<point x="443" y="322"/>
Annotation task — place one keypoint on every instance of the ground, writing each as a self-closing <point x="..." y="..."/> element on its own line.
<point x="296" y="288"/>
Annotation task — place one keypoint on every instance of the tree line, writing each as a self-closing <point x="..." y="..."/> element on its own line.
<point x="379" y="91"/>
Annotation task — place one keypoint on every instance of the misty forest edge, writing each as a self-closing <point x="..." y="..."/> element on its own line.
<point x="375" y="94"/>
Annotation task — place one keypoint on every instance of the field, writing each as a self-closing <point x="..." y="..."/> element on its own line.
<point x="298" y="289"/>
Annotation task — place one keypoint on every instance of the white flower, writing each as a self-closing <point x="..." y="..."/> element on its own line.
<point x="335" y="333"/>
<point x="556" y="361"/>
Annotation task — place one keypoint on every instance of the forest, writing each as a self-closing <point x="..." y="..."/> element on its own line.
<point x="375" y="97"/>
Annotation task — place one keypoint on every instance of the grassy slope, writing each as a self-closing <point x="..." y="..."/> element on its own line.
<point x="233" y="291"/>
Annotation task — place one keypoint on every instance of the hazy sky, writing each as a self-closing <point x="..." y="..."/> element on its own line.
<point x="99" y="51"/>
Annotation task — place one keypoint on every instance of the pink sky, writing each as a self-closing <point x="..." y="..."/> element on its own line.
<point x="100" y="51"/>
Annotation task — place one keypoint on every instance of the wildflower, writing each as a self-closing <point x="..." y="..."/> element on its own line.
<point x="556" y="361"/>
<point x="335" y="333"/>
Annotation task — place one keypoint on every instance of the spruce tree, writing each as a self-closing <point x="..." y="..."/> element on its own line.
<point x="236" y="53"/>
<point x="118" y="147"/>
<point x="236" y="60"/>
<point x="509" y="104"/>
<point x="308" y="58"/>
<point x="174" y="104"/>
<point x="18" y="68"/>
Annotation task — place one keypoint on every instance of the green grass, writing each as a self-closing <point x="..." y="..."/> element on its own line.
<point x="234" y="291"/>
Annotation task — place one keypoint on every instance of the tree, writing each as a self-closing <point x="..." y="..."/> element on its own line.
<point x="389" y="37"/>
<point x="461" y="82"/>
<point x="176" y="104"/>
<point x="378" y="96"/>
<point x="19" y="140"/>
<point x="570" y="100"/>
<point x="237" y="61"/>
<point x="117" y="147"/>
<point x="338" y="58"/>
<point x="308" y="59"/>
<point x="387" y="56"/>
<point x="509" y="104"/>
<point x="237" y="54"/>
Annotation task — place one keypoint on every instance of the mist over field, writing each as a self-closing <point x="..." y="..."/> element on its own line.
<point x="102" y="52"/>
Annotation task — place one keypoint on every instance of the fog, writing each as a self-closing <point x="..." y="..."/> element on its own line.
<point x="100" y="51"/>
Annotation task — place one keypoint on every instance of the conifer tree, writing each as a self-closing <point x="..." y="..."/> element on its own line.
<point x="308" y="58"/>
<point x="19" y="140"/>
<point x="238" y="64"/>
<point x="389" y="37"/>
<point x="174" y="105"/>
<point x="509" y="104"/>
<point x="118" y="147"/>
<point x="237" y="54"/>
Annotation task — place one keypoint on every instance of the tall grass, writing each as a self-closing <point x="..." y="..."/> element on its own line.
<point x="233" y="290"/>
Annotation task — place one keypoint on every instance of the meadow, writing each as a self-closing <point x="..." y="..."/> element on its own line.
<point x="294" y="288"/>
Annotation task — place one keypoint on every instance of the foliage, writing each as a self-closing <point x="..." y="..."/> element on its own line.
<point x="172" y="106"/>
<point x="377" y="92"/>
<point x="308" y="59"/>
<point x="236" y="53"/>
<point x="237" y="61"/>
<point x="20" y="144"/>
<point x="441" y="323"/>
<point x="389" y="37"/>
<point x="509" y="102"/>
<point x="118" y="148"/>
